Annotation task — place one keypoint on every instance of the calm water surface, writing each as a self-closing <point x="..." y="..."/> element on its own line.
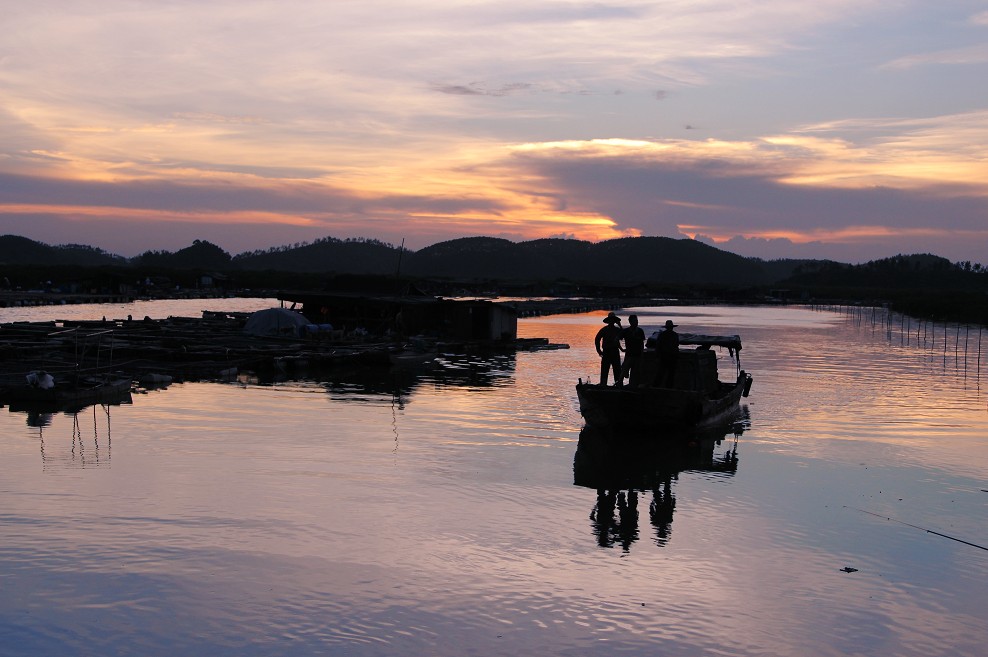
<point x="454" y="510"/>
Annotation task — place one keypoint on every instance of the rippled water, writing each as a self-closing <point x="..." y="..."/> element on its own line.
<point x="454" y="510"/>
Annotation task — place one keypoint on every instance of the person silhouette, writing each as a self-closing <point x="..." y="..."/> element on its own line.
<point x="661" y="510"/>
<point x="634" y="350"/>
<point x="667" y="349"/>
<point x="602" y="516"/>
<point x="627" y="529"/>
<point x="608" y="344"/>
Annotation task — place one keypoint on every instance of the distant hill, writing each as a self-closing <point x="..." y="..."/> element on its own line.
<point x="16" y="250"/>
<point x="629" y="260"/>
<point x="353" y="256"/>
<point x="921" y="285"/>
<point x="900" y="272"/>
<point x="201" y="255"/>
<point x="490" y="258"/>
<point x="660" y="263"/>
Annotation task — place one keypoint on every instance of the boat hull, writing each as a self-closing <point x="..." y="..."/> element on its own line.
<point x="648" y="408"/>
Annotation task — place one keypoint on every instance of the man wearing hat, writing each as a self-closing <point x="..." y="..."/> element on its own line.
<point x="667" y="349"/>
<point x="608" y="344"/>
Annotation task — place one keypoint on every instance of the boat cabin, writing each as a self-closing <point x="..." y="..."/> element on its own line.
<point x="696" y="368"/>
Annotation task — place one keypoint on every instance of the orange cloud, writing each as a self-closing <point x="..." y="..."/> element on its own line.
<point x="941" y="152"/>
<point x="586" y="226"/>
<point x="489" y="187"/>
<point x="841" y="235"/>
<point x="96" y="213"/>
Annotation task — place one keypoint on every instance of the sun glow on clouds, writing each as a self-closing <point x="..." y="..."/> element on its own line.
<point x="96" y="214"/>
<point x="943" y="152"/>
<point x="880" y="160"/>
<point x="464" y="191"/>
<point x="447" y="119"/>
<point x="486" y="187"/>
<point x="844" y="235"/>
<point x="584" y="226"/>
<point x="948" y="151"/>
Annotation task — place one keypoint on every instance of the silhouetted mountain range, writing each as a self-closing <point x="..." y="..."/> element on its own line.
<point x="630" y="260"/>
<point x="351" y="256"/>
<point x="929" y="283"/>
<point x="15" y="250"/>
<point x="627" y="261"/>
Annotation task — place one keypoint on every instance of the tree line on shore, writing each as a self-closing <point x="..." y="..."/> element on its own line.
<point x="921" y="285"/>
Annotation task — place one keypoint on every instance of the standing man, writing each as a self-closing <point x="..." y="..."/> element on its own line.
<point x="634" y="348"/>
<point x="667" y="349"/>
<point x="608" y="344"/>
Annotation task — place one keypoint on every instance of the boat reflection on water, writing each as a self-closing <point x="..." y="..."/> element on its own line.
<point x="628" y="470"/>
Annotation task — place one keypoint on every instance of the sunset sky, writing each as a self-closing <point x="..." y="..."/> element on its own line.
<point x="844" y="129"/>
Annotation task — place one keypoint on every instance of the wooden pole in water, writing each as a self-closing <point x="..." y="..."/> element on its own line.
<point x="979" y="350"/>
<point x="957" y="342"/>
<point x="967" y="338"/>
<point x="945" y="339"/>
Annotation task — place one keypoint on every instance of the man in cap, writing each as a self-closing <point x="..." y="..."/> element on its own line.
<point x="667" y="349"/>
<point x="608" y="344"/>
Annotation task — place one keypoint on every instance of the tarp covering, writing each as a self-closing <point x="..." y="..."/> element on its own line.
<point x="732" y="342"/>
<point x="275" y="321"/>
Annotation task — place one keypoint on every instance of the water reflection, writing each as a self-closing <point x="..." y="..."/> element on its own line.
<point x="91" y="444"/>
<point x="625" y="470"/>
<point x="362" y="383"/>
<point x="280" y="520"/>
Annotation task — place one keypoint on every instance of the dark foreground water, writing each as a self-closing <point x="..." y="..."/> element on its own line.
<point x="454" y="510"/>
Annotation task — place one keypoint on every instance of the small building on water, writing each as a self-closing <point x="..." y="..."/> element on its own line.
<point x="410" y="314"/>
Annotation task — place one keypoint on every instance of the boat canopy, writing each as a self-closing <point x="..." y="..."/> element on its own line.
<point x="732" y="342"/>
<point x="729" y="341"/>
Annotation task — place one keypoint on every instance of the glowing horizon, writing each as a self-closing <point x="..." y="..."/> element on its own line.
<point x="761" y="129"/>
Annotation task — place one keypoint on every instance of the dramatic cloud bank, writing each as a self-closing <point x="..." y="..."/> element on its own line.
<point x="775" y="129"/>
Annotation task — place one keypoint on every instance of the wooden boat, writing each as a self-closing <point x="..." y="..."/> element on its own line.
<point x="697" y="398"/>
<point x="69" y="395"/>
